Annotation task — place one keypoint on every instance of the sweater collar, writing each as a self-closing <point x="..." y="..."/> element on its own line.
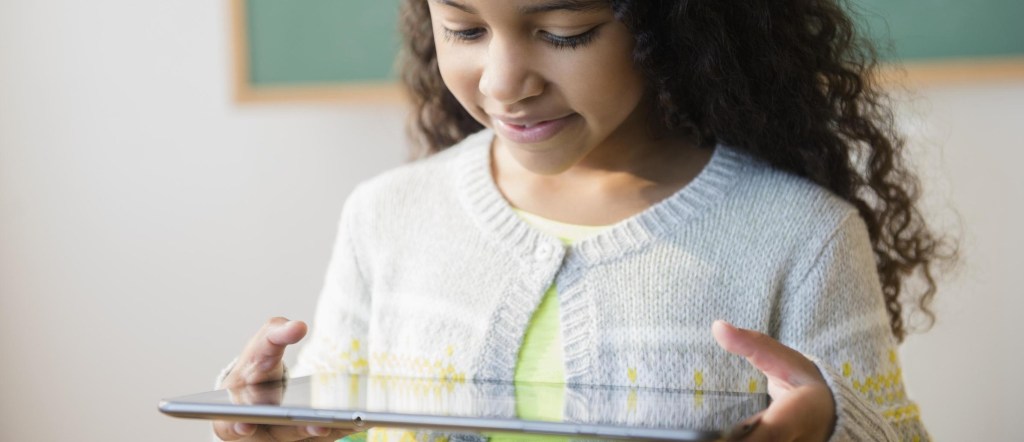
<point x="486" y="204"/>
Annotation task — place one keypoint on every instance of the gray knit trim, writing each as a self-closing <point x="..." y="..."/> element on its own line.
<point x="856" y="420"/>
<point x="484" y="202"/>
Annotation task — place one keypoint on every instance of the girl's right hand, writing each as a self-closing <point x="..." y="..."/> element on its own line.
<point x="261" y="362"/>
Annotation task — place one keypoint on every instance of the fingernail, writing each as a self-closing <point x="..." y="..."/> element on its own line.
<point x="244" y="429"/>
<point x="318" y="431"/>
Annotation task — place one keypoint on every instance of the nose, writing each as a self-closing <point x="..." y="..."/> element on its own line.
<point x="508" y="77"/>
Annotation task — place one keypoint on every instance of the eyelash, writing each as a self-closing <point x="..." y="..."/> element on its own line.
<point x="557" y="41"/>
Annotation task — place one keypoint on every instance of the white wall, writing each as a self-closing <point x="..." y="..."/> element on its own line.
<point x="966" y="371"/>
<point x="148" y="226"/>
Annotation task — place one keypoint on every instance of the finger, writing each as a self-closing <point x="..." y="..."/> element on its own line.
<point x="806" y="414"/>
<point x="287" y="333"/>
<point x="302" y="432"/>
<point x="261" y="359"/>
<point x="743" y="429"/>
<point x="267" y="393"/>
<point x="766" y="354"/>
<point x="277" y="334"/>
<point x="233" y="430"/>
<point x="335" y="435"/>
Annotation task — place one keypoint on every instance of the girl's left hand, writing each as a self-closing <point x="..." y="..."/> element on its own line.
<point x="802" y="407"/>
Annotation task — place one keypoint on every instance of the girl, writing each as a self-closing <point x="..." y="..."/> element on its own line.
<point x="605" y="179"/>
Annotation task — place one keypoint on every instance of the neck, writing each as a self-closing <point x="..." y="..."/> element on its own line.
<point x="614" y="182"/>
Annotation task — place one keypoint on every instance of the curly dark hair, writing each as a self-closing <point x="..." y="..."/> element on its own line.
<point x="790" y="81"/>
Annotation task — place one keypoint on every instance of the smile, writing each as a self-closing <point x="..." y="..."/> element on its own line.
<point x="526" y="132"/>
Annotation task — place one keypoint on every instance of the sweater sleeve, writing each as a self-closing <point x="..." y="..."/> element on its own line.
<point x="337" y="341"/>
<point x="836" y="315"/>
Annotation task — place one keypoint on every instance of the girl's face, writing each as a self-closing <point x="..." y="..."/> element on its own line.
<point x="554" y="78"/>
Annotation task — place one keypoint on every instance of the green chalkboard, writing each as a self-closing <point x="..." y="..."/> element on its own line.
<point x="288" y="43"/>
<point x="943" y="29"/>
<point x="320" y="41"/>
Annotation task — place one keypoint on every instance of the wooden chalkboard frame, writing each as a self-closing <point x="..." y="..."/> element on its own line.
<point x="914" y="74"/>
<point x="341" y="92"/>
<point x="955" y="71"/>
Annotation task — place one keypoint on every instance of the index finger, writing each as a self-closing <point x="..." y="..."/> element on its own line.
<point x="769" y="356"/>
<point x="261" y="359"/>
<point x="227" y="431"/>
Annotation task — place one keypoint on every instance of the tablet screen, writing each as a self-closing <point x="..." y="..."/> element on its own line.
<point x="479" y="406"/>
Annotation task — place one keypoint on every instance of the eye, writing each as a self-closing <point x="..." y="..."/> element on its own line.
<point x="571" y="41"/>
<point x="463" y="34"/>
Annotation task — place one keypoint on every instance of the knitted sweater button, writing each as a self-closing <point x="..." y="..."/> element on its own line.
<point x="543" y="252"/>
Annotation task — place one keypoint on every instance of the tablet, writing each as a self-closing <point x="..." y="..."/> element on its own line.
<point x="361" y="402"/>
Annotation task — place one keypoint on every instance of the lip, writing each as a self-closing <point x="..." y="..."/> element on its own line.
<point x="516" y="130"/>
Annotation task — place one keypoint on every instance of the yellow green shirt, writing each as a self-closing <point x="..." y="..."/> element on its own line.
<point x="541" y="358"/>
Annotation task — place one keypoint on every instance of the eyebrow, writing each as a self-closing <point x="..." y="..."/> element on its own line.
<point x="553" y="5"/>
<point x="566" y="5"/>
<point x="457" y="5"/>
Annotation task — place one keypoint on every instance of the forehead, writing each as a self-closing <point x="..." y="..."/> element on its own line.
<point x="529" y="7"/>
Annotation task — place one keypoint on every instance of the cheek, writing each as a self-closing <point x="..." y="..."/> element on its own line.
<point x="628" y="86"/>
<point x="606" y="86"/>
<point x="456" y="78"/>
<point x="459" y="75"/>
<point x="603" y="80"/>
<point x="446" y="63"/>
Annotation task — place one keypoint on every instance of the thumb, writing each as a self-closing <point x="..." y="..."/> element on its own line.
<point x="285" y="334"/>
<point x="261" y="359"/>
<point x="775" y="360"/>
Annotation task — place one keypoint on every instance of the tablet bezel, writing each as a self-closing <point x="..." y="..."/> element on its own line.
<point x="197" y="406"/>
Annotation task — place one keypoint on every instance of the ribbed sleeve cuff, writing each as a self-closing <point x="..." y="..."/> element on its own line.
<point x="856" y="419"/>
